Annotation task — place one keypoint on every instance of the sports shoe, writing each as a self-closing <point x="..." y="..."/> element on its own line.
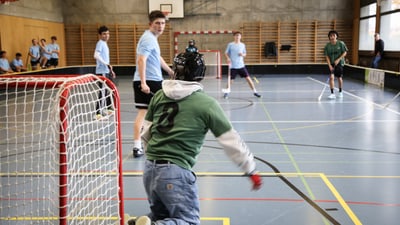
<point x="143" y="220"/>
<point x="340" y="95"/>
<point x="131" y="221"/>
<point x="137" y="152"/>
<point x="226" y="95"/>
<point x="99" y="116"/>
<point x="110" y="111"/>
<point x="257" y="95"/>
<point x="332" y="96"/>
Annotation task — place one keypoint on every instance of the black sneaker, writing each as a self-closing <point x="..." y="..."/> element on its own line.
<point x="257" y="95"/>
<point x="137" y="152"/>
<point x="225" y="95"/>
<point x="132" y="222"/>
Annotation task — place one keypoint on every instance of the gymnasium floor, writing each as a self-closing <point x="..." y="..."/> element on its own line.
<point x="342" y="154"/>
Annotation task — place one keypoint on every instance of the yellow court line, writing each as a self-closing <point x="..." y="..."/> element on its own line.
<point x="364" y="176"/>
<point x="346" y="207"/>
<point x="225" y="220"/>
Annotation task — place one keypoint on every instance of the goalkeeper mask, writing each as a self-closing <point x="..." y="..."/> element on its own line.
<point x="189" y="66"/>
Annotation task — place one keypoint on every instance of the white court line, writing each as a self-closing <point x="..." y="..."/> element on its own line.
<point x="299" y="121"/>
<point x="382" y="106"/>
<point x="315" y="121"/>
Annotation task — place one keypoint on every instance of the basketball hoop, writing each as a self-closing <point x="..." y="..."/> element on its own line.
<point x="166" y="14"/>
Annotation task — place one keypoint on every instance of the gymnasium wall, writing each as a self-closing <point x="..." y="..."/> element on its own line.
<point x="210" y="14"/>
<point x="305" y="38"/>
<point x="47" y="10"/>
<point x="23" y="20"/>
<point x="303" y="24"/>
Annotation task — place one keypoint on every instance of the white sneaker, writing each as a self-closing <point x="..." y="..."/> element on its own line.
<point x="332" y="96"/>
<point x="340" y="95"/>
<point x="143" y="220"/>
<point x="100" y="117"/>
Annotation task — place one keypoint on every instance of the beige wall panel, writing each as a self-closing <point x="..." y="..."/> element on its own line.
<point x="17" y="33"/>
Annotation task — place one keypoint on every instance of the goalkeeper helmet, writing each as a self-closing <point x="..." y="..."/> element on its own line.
<point x="189" y="66"/>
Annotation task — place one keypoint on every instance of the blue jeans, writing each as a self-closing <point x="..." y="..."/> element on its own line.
<point x="375" y="61"/>
<point x="172" y="194"/>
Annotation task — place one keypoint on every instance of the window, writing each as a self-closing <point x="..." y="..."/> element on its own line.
<point x="369" y="10"/>
<point x="389" y="5"/>
<point x="367" y="27"/>
<point x="367" y="31"/>
<point x="390" y="31"/>
<point x="390" y="26"/>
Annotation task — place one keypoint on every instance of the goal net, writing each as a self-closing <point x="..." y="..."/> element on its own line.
<point x="212" y="59"/>
<point x="60" y="164"/>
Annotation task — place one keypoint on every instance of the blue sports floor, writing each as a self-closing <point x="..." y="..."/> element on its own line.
<point x="342" y="155"/>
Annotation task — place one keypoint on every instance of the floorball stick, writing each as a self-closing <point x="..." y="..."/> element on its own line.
<point x="299" y="192"/>
<point x="256" y="80"/>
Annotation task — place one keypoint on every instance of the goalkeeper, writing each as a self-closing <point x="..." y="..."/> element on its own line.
<point x="175" y="126"/>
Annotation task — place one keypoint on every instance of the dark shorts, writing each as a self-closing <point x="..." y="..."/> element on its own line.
<point x="53" y="62"/>
<point x="337" y="70"/>
<point x="142" y="99"/>
<point x="35" y="62"/>
<point x="242" y="72"/>
<point x="108" y="76"/>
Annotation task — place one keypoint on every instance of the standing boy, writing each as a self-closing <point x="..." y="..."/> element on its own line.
<point x="34" y="53"/>
<point x="235" y="53"/>
<point x="148" y="76"/>
<point x="55" y="52"/>
<point x="335" y="51"/>
<point x="103" y="68"/>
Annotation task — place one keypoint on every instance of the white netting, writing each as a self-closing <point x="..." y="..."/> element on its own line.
<point x="36" y="115"/>
<point x="212" y="59"/>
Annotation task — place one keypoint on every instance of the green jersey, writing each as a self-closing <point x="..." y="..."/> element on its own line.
<point x="334" y="51"/>
<point x="179" y="126"/>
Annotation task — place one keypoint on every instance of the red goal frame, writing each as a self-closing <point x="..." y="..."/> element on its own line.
<point x="63" y="177"/>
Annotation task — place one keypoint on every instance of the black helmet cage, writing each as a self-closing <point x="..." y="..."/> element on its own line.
<point x="189" y="66"/>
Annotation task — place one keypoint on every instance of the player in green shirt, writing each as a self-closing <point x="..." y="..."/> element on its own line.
<point x="335" y="51"/>
<point x="175" y="126"/>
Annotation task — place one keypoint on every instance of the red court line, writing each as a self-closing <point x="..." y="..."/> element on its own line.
<point x="284" y="200"/>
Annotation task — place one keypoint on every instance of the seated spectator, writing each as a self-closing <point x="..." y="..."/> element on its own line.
<point x="378" y="52"/>
<point x="4" y="64"/>
<point x="17" y="65"/>
<point x="45" y="54"/>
